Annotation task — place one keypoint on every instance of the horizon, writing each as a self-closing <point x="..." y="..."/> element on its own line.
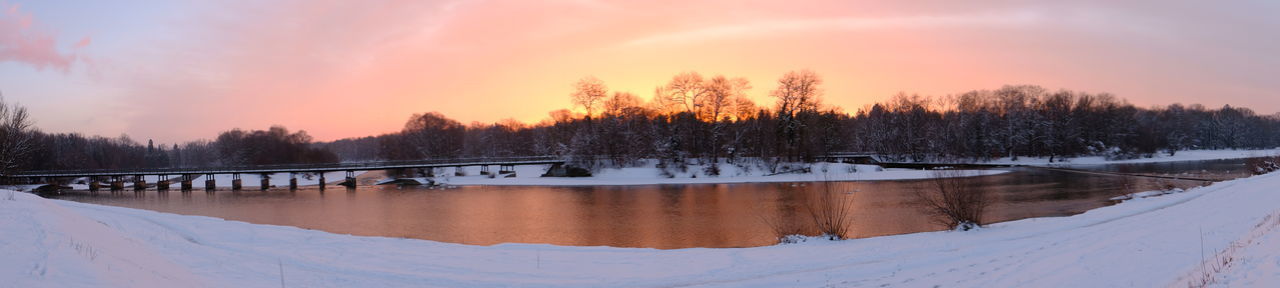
<point x="212" y="67"/>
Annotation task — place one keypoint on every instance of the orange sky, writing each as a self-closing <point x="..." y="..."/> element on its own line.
<point x="186" y="70"/>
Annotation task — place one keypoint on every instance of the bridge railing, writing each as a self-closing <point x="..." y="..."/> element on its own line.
<point x="372" y="165"/>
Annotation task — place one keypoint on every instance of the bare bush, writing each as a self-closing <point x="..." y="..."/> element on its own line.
<point x="954" y="201"/>
<point x="825" y="212"/>
<point x="831" y="211"/>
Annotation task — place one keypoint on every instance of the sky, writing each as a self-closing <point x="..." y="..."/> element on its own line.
<point x="184" y="70"/>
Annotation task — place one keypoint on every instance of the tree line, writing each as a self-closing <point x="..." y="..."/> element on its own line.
<point x="694" y="118"/>
<point x="697" y="119"/>
<point x="276" y="145"/>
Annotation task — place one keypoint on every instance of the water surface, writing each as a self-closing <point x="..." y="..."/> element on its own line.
<point x="657" y="216"/>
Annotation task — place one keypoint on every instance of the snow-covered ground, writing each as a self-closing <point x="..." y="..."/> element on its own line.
<point x="1143" y="242"/>
<point x="1189" y="155"/>
<point x="694" y="174"/>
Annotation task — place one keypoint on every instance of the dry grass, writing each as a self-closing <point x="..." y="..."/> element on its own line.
<point x="953" y="200"/>
<point x="1210" y="269"/>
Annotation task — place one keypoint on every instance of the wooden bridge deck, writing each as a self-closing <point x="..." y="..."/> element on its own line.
<point x="329" y="167"/>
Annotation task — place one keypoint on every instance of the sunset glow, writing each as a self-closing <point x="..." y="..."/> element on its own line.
<point x="342" y="69"/>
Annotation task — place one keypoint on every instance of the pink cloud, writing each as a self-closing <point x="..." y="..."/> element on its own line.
<point x="21" y="41"/>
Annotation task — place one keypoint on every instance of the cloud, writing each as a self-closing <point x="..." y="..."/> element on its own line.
<point x="22" y="41"/>
<point x="783" y="26"/>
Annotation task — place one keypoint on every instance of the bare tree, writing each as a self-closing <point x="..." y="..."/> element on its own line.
<point x="797" y="95"/>
<point x="589" y="92"/>
<point x="686" y="89"/>
<point x="717" y="107"/>
<point x="720" y="95"/>
<point x="15" y="136"/>
<point x="953" y="200"/>
<point x="432" y="135"/>
<point x="621" y="101"/>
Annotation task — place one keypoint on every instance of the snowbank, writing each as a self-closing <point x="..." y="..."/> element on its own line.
<point x="648" y="174"/>
<point x="1189" y="155"/>
<point x="1143" y="242"/>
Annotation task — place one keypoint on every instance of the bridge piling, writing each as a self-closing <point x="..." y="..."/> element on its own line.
<point x="162" y="183"/>
<point x="139" y="182"/>
<point x="186" y="182"/>
<point x="350" y="182"/>
<point x="117" y="183"/>
<point x="484" y="170"/>
<point x="322" y="181"/>
<point x="209" y="183"/>
<point x="235" y="182"/>
<point x="457" y="171"/>
<point x="94" y="185"/>
<point x="266" y="181"/>
<point x="293" y="181"/>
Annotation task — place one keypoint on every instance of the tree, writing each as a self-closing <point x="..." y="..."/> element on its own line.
<point x="720" y="96"/>
<point x="588" y="93"/>
<point x="15" y="136"/>
<point x="620" y="102"/>
<point x="797" y="95"/>
<point x="686" y="89"/>
<point x="431" y="135"/>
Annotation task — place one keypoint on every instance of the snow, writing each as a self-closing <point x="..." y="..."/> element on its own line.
<point x="1143" y="242"/>
<point x="1188" y="155"/>
<point x="648" y="174"/>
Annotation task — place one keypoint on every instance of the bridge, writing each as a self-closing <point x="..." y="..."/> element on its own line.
<point x="851" y="157"/>
<point x="116" y="178"/>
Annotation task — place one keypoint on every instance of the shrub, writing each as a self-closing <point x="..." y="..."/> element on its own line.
<point x="826" y="212"/>
<point x="831" y="211"/>
<point x="953" y="200"/>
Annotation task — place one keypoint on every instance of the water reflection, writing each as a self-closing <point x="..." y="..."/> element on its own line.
<point x="658" y="216"/>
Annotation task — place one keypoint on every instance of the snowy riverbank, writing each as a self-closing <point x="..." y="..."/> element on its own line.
<point x="648" y="174"/>
<point x="1144" y="242"/>
<point x="1188" y="155"/>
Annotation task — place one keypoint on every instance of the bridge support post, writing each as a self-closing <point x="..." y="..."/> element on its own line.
<point x="484" y="170"/>
<point x="266" y="181"/>
<point x="431" y="171"/>
<point x="351" y="179"/>
<point x="322" y="180"/>
<point x="117" y="183"/>
<point x="139" y="182"/>
<point x="506" y="169"/>
<point x="162" y="183"/>
<point x="457" y="171"/>
<point x="186" y="182"/>
<point x="94" y="185"/>
<point x="209" y="182"/>
<point x="236" y="184"/>
<point x="293" y="181"/>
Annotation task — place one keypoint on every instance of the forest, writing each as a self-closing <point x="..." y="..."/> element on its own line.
<point x="698" y="119"/>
